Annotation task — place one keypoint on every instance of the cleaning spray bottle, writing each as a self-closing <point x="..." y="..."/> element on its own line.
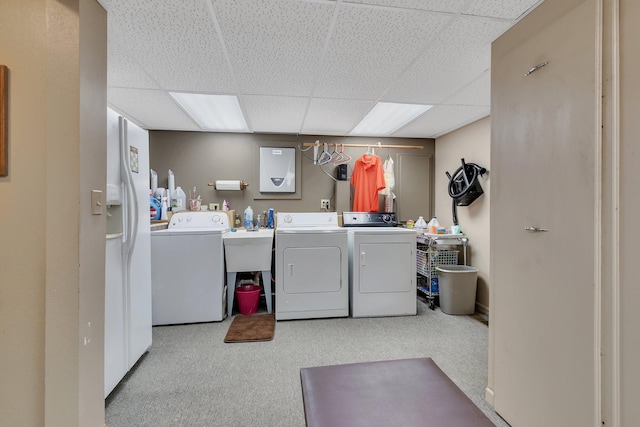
<point x="164" y="209"/>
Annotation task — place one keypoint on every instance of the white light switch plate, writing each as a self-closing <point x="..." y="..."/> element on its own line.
<point x="96" y="202"/>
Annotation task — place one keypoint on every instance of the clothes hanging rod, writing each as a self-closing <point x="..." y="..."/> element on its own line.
<point x="414" y="147"/>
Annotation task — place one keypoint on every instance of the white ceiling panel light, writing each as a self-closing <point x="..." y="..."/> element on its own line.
<point x="220" y="113"/>
<point x="387" y="117"/>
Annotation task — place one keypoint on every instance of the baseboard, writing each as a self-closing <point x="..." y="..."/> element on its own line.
<point x="481" y="308"/>
<point x="488" y="396"/>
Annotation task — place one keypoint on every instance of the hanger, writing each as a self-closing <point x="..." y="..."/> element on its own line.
<point x="371" y="150"/>
<point x="341" y="157"/>
<point x="315" y="152"/>
<point x="325" y="156"/>
<point x="334" y="153"/>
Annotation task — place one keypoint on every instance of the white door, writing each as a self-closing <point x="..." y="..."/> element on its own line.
<point x="413" y="184"/>
<point x="543" y="177"/>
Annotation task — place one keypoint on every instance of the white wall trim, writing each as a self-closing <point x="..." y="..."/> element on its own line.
<point x="598" y="218"/>
<point x="488" y="395"/>
<point x="615" y="214"/>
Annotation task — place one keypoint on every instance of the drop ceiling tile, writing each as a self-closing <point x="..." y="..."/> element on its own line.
<point x="449" y="6"/>
<point x="371" y="48"/>
<point x="441" y="120"/>
<point x="506" y="9"/>
<point x="476" y="93"/>
<point x="274" y="114"/>
<point x="175" y="42"/>
<point x="151" y="109"/>
<point x="334" y="116"/>
<point x="459" y="55"/>
<point x="124" y="71"/>
<point x="275" y="47"/>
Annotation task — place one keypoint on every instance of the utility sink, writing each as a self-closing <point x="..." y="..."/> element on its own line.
<point x="248" y="250"/>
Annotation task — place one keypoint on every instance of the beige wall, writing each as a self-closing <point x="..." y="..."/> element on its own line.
<point x="623" y="229"/>
<point x="198" y="158"/>
<point x="49" y="293"/>
<point x="472" y="143"/>
<point x="22" y="254"/>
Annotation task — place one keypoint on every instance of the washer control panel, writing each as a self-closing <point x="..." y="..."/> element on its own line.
<point x="199" y="219"/>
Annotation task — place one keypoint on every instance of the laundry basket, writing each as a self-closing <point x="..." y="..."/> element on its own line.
<point x="457" y="288"/>
<point x="248" y="297"/>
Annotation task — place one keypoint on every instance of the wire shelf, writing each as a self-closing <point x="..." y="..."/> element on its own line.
<point x="427" y="261"/>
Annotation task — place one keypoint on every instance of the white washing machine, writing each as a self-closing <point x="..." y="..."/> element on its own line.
<point x="311" y="266"/>
<point x="382" y="265"/>
<point x="187" y="269"/>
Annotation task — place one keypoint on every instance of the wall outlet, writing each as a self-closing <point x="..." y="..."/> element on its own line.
<point x="324" y="204"/>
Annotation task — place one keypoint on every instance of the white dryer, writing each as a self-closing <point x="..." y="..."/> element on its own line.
<point x="187" y="269"/>
<point x="382" y="265"/>
<point x="311" y="266"/>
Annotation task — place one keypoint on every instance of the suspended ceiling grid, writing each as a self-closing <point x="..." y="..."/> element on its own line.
<point x="306" y="67"/>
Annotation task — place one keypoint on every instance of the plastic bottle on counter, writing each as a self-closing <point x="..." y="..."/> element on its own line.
<point x="270" y="219"/>
<point x="154" y="180"/>
<point x="164" y="209"/>
<point x="155" y="208"/>
<point x="171" y="188"/>
<point x="420" y="225"/>
<point x="171" y="181"/>
<point x="248" y="218"/>
<point x="178" y="200"/>
<point x="432" y="227"/>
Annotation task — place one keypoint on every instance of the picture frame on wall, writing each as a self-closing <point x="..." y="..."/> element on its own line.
<point x="4" y="121"/>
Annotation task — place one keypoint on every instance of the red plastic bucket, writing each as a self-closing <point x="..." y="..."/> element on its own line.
<point x="248" y="297"/>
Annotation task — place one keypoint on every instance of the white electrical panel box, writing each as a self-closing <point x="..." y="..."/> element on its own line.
<point x="277" y="170"/>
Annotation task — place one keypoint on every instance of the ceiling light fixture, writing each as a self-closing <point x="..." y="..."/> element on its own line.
<point x="213" y="112"/>
<point x="387" y="117"/>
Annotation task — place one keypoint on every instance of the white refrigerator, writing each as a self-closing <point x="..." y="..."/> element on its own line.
<point x="127" y="334"/>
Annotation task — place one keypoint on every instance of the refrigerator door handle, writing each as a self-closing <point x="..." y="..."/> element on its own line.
<point x="131" y="199"/>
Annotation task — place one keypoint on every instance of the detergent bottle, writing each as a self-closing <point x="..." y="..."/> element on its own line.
<point x="420" y="225"/>
<point x="248" y="218"/>
<point x="432" y="227"/>
<point x="178" y="200"/>
<point x="155" y="208"/>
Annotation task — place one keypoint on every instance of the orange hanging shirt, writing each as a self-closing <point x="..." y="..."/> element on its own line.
<point x="368" y="179"/>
